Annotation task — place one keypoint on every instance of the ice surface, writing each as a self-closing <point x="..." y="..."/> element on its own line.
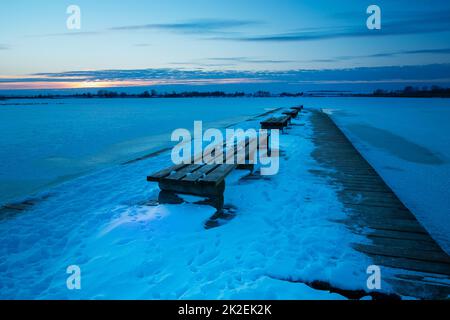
<point x="46" y="142"/>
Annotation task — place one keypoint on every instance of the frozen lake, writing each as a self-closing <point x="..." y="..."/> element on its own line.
<point x="105" y="222"/>
<point x="45" y="142"/>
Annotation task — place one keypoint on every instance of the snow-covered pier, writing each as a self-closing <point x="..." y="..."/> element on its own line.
<point x="395" y="238"/>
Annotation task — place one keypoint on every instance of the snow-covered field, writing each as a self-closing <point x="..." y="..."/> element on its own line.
<point x="283" y="235"/>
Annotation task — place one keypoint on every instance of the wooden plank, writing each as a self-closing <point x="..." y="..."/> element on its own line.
<point x="379" y="212"/>
<point x="405" y="252"/>
<point x="381" y="197"/>
<point x="421" y="289"/>
<point x="400" y="244"/>
<point x="200" y="173"/>
<point x="236" y="148"/>
<point x="362" y="189"/>
<point x="370" y="204"/>
<point x="218" y="175"/>
<point x="181" y="173"/>
<point x="362" y="180"/>
<point x="165" y="172"/>
<point x="285" y="119"/>
<point x="291" y="114"/>
<point x="275" y="123"/>
<point x="199" y="158"/>
<point x="391" y="224"/>
<point x="412" y="265"/>
<point x="194" y="188"/>
<point x="251" y="148"/>
<point x="395" y="234"/>
<point x="271" y="119"/>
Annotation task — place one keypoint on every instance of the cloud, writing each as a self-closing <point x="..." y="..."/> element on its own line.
<point x="394" y="53"/>
<point x="218" y="27"/>
<point x="194" y="26"/>
<point x="251" y="60"/>
<point x="388" y="73"/>
<point x="66" y="34"/>
<point x="201" y="65"/>
<point x="229" y="61"/>
<point x="4" y="47"/>
<point x="419" y="23"/>
<point x="420" y="75"/>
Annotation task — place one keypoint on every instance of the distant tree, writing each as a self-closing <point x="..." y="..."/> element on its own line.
<point x="262" y="94"/>
<point x="409" y="89"/>
<point x="379" y="92"/>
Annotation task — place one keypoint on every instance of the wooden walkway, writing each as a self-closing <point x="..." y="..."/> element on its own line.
<point x="396" y="239"/>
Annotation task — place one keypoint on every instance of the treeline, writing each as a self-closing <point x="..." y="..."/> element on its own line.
<point x="407" y="92"/>
<point x="415" y="92"/>
<point x="154" y="94"/>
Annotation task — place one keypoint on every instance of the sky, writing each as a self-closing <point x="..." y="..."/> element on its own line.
<point x="202" y="44"/>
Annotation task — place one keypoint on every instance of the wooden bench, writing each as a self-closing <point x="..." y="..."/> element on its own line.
<point x="299" y="108"/>
<point x="292" y="114"/>
<point x="203" y="179"/>
<point x="276" y="123"/>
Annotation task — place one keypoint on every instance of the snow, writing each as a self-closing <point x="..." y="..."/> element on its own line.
<point x="284" y="235"/>
<point x="103" y="216"/>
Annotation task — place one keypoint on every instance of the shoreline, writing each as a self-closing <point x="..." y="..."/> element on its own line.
<point x="210" y="97"/>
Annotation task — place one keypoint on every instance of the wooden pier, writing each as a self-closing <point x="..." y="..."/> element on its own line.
<point x="395" y="239"/>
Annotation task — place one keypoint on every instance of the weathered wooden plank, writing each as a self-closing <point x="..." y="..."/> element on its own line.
<point x="405" y="252"/>
<point x="395" y="234"/>
<point x="400" y="244"/>
<point x="165" y="172"/>
<point x="379" y="212"/>
<point x="218" y="175"/>
<point x="393" y="224"/>
<point x="411" y="264"/>
<point x="181" y="173"/>
<point x="291" y="114"/>
<point x="194" y="188"/>
<point x="362" y="180"/>
<point x="421" y="289"/>
<point x="198" y="158"/>
<point x="361" y="189"/>
<point x="200" y="173"/>
<point x="275" y="123"/>
<point x="381" y="197"/>
<point x="370" y="204"/>
<point x="231" y="155"/>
